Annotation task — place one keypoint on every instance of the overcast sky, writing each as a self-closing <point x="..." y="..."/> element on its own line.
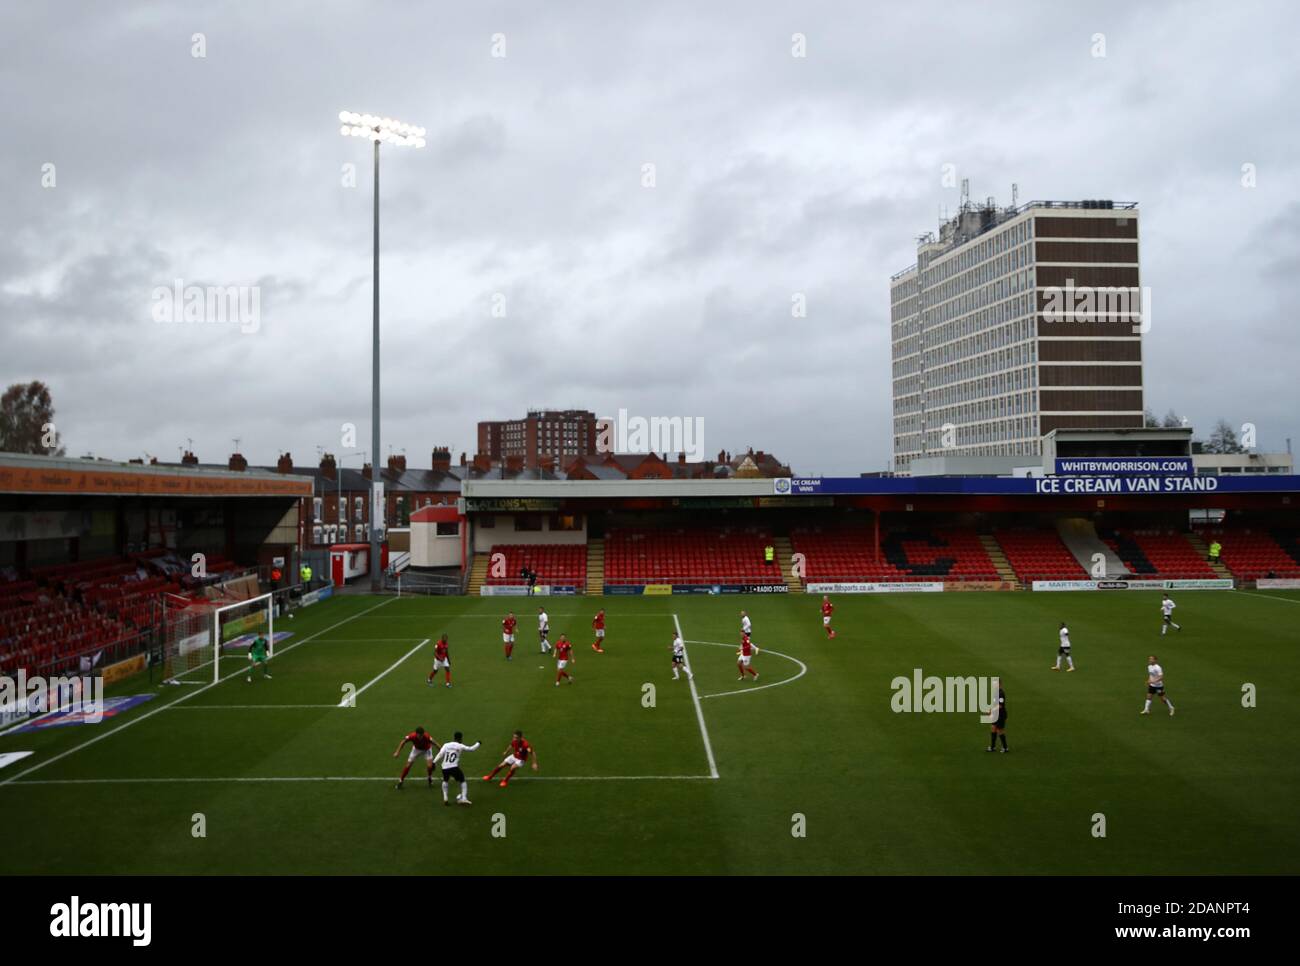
<point x="774" y="175"/>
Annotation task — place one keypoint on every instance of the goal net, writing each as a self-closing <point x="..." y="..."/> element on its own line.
<point x="236" y="626"/>
<point x="197" y="639"/>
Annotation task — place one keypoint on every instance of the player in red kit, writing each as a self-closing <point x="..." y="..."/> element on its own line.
<point x="563" y="655"/>
<point x="441" y="659"/>
<point x="743" y="656"/>
<point x="508" y="634"/>
<point x="827" y="609"/>
<point x="598" y="624"/>
<point x="517" y="755"/>
<point x="422" y="743"/>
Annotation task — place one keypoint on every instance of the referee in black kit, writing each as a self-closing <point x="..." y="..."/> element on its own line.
<point x="999" y="729"/>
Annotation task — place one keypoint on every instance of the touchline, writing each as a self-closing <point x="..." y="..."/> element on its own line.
<point x="90" y="920"/>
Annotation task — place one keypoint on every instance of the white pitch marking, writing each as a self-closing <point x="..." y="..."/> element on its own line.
<point x="186" y="697"/>
<point x="803" y="669"/>
<point x="350" y="701"/>
<point x="251" y="707"/>
<point x="695" y="697"/>
<point x="1255" y="593"/>
<point x="366" y="640"/>
<point x="259" y="779"/>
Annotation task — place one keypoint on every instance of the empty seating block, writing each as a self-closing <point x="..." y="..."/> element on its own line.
<point x="712" y="555"/>
<point x="1158" y="554"/>
<point x="1253" y="554"/>
<point x="555" y="564"/>
<point x="56" y="613"/>
<point x="1039" y="555"/>
<point x="849" y="556"/>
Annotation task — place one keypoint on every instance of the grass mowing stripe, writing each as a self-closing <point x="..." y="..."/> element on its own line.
<point x="695" y="697"/>
<point x="184" y="697"/>
<point x="886" y="792"/>
<point x="271" y="779"/>
<point x="350" y="700"/>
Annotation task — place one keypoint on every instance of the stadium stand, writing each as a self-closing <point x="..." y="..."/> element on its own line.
<point x="44" y="632"/>
<point x="699" y="556"/>
<point x="56" y="613"/>
<point x="1255" y="553"/>
<point x="1038" y="555"/>
<point x="554" y="564"/>
<point x="1158" y="553"/>
<point x="912" y="555"/>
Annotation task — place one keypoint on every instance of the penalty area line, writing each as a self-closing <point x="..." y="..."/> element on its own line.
<point x="351" y="700"/>
<point x="251" y="707"/>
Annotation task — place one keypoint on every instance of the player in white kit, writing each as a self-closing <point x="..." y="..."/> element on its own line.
<point x="449" y="754"/>
<point x="746" y="627"/>
<point x="1156" y="686"/>
<point x="543" y="628"/>
<point x="679" y="658"/>
<point x="1063" y="651"/>
<point x="1167" y="615"/>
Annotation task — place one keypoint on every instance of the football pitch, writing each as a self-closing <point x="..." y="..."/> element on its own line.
<point x="808" y="770"/>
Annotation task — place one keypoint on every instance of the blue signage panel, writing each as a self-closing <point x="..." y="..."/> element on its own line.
<point x="1124" y="466"/>
<point x="1051" y="485"/>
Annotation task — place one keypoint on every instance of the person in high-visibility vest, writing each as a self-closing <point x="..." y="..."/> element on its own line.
<point x="1215" y="549"/>
<point x="769" y="554"/>
<point x="305" y="573"/>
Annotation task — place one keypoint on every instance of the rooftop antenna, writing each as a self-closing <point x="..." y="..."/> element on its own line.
<point x="1015" y="194"/>
<point x="965" y="192"/>
<point x="235" y="440"/>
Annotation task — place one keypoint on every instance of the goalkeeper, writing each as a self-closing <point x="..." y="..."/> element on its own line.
<point x="257" y="656"/>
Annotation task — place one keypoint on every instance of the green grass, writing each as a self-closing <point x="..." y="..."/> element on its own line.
<point x="1212" y="790"/>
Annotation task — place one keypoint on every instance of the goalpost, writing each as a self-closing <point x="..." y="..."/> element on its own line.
<point x="238" y="625"/>
<point x="197" y="638"/>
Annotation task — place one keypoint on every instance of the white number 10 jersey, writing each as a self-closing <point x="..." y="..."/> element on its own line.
<point x="449" y="754"/>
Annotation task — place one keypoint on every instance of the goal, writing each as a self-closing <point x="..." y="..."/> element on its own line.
<point x="236" y="626"/>
<point x="197" y="639"/>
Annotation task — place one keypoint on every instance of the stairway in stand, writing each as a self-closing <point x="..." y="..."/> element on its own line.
<point x="1000" y="562"/>
<point x="477" y="574"/>
<point x="1200" y="546"/>
<point x="784" y="551"/>
<point x="596" y="567"/>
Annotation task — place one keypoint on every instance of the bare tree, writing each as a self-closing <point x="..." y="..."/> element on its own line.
<point x="1223" y="439"/>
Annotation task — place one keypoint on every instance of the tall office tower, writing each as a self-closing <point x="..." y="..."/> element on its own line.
<point x="1014" y="322"/>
